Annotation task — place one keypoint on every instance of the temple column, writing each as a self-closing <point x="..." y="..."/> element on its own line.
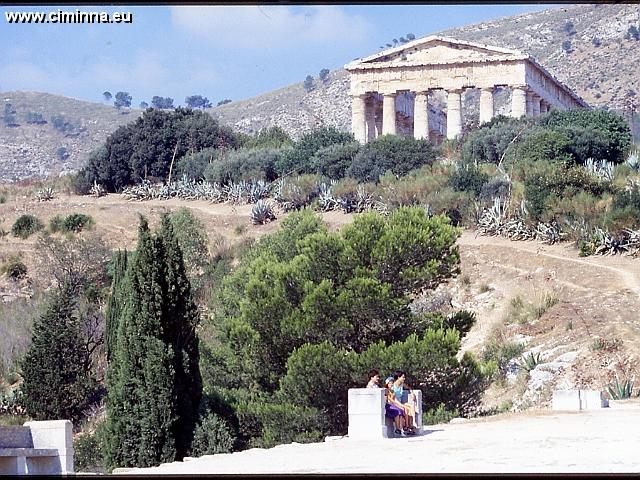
<point x="421" y="115"/>
<point x="454" y="113"/>
<point x="544" y="106"/>
<point x="370" y="117"/>
<point x="518" y="101"/>
<point x="535" y="105"/>
<point x="486" y="104"/>
<point x="389" y="114"/>
<point x="358" y="122"/>
<point x="529" y="103"/>
<point x="378" y="114"/>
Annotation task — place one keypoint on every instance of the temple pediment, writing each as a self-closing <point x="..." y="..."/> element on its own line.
<point x="435" y="50"/>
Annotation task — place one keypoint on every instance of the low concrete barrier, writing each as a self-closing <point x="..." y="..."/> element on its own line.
<point x="367" y="418"/>
<point x="578" y="400"/>
<point x="37" y="448"/>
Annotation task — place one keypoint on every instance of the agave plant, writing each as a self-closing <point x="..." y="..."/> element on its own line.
<point x="620" y="390"/>
<point x="262" y="212"/>
<point x="45" y="194"/>
<point x="530" y="361"/>
<point x="97" y="190"/>
<point x="600" y="168"/>
<point x="633" y="160"/>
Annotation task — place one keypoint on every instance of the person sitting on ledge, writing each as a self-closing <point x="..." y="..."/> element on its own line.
<point x="374" y="379"/>
<point x="409" y="408"/>
<point x="394" y="410"/>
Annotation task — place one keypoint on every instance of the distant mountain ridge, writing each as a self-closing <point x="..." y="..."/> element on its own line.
<point x="588" y="47"/>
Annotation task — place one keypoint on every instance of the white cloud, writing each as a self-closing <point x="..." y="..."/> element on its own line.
<point x="269" y="27"/>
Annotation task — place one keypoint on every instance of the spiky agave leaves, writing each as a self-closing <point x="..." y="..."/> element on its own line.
<point x="45" y="194"/>
<point x="262" y="212"/>
<point x="618" y="390"/>
<point x="97" y="190"/>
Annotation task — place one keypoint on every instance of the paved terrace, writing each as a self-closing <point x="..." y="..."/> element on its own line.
<point x="603" y="441"/>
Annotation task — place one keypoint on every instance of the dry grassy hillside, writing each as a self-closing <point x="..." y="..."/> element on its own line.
<point x="30" y="150"/>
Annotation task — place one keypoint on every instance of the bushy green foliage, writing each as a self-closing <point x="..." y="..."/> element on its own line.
<point x="73" y="223"/>
<point x="76" y="222"/>
<point x="468" y="178"/>
<point x="87" y="453"/>
<point x="145" y="147"/>
<point x="245" y="164"/>
<point x="334" y="160"/>
<point x="440" y="414"/>
<point x="194" y="165"/>
<point x="299" y="158"/>
<point x="26" y="225"/>
<point x="14" y="268"/>
<point x="115" y="302"/>
<point x="212" y="435"/>
<point x="601" y="124"/>
<point x="307" y="313"/>
<point x="57" y="380"/>
<point x="544" y="144"/>
<point x="154" y="382"/>
<point x="489" y="143"/>
<point x="544" y="182"/>
<point x="390" y="152"/>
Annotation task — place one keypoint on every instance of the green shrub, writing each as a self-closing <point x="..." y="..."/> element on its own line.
<point x="194" y="165"/>
<point x="390" y="152"/>
<point x="56" y="224"/>
<point x="245" y="164"/>
<point x="544" y="180"/>
<point x="212" y="435"/>
<point x="334" y="160"/>
<point x="543" y="144"/>
<point x="368" y="166"/>
<point x="88" y="456"/>
<point x="14" y="268"/>
<point x="26" y="225"/>
<point x="612" y="129"/>
<point x="76" y="222"/>
<point x="438" y="415"/>
<point x="468" y="178"/>
<point x="493" y="140"/>
<point x="299" y="158"/>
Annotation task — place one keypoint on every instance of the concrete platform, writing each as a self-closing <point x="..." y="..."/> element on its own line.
<point x="598" y="441"/>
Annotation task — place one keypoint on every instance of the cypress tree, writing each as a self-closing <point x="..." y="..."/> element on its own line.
<point x="56" y="384"/>
<point x="115" y="302"/>
<point x="154" y="381"/>
<point x="181" y="319"/>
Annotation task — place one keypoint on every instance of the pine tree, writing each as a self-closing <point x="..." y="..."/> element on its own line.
<point x="114" y="304"/>
<point x="56" y="384"/>
<point x="154" y="381"/>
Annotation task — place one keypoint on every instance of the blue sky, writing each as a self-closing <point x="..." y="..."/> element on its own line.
<point x="216" y="51"/>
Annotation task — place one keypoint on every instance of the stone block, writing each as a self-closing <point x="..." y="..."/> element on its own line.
<point x="592" y="400"/>
<point x="54" y="434"/>
<point x="366" y="413"/>
<point x="566" y="400"/>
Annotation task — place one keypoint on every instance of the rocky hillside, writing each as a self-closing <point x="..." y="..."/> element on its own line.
<point x="599" y="63"/>
<point x="36" y="149"/>
<point x="589" y="47"/>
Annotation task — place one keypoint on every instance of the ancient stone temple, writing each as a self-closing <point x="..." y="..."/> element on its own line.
<point x="415" y="71"/>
